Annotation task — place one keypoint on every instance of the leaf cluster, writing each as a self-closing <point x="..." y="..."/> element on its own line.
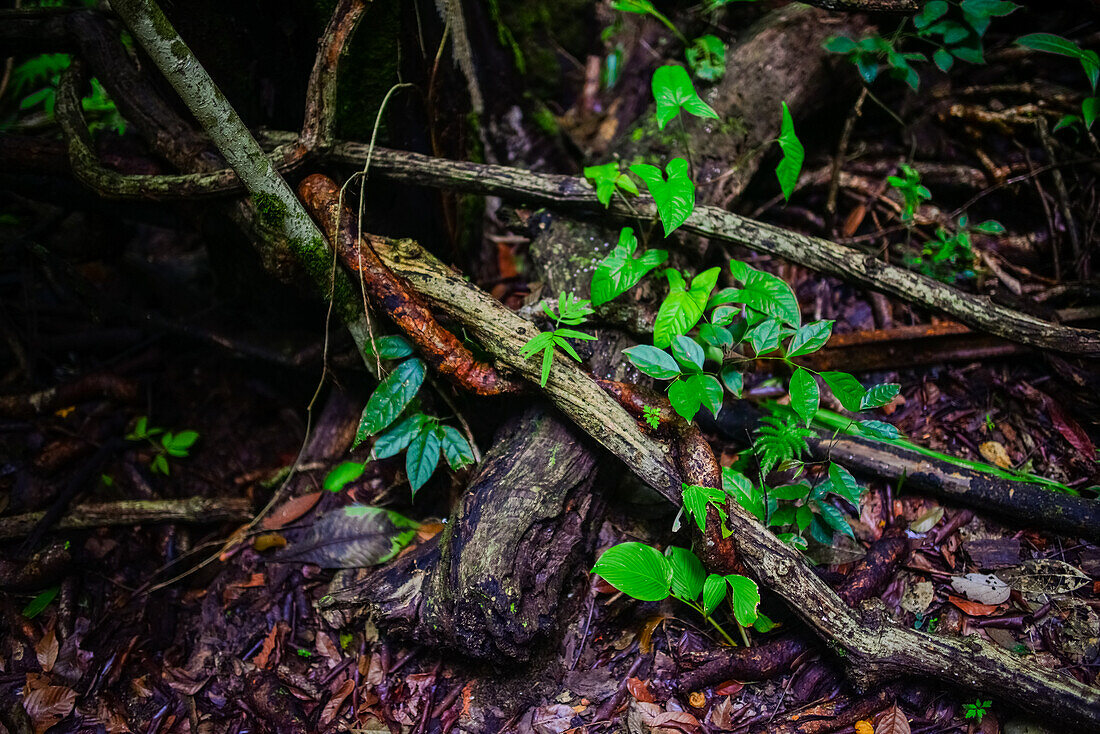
<point x="176" y="445"/>
<point x="570" y="310"/>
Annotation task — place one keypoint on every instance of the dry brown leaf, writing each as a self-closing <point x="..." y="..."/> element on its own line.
<point x="892" y="721"/>
<point x="46" y="704"/>
<point x="721" y="714"/>
<point x="267" y="541"/>
<point x="994" y="452"/>
<point x="429" y="530"/>
<point x="554" y="718"/>
<point x="332" y="708"/>
<point x="263" y="658"/>
<point x="729" y="688"/>
<point x="290" y="511"/>
<point x="639" y="690"/>
<point x="47" y="648"/>
<point x="984" y="588"/>
<point x="645" y="639"/>
<point x="973" y="608"/>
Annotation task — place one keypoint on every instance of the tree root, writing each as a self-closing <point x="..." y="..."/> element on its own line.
<point x="196" y="510"/>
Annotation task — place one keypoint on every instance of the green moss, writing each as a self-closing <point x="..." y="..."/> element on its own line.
<point x="179" y="49"/>
<point x="272" y="211"/>
<point x="368" y="70"/>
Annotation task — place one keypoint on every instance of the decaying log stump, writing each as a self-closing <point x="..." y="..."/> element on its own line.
<point x="491" y="584"/>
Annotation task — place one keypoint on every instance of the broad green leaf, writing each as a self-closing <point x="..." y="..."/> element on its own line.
<point x="456" y="448"/>
<point x="803" y="517"/>
<point x="688" y="394"/>
<point x="38" y="604"/>
<point x="673" y="90"/>
<point x="687" y="573"/>
<point x="789" y="491"/>
<point x="879" y="429"/>
<point x="707" y="58"/>
<point x="182" y="440"/>
<point x="391" y="397"/>
<point x="793" y="154"/>
<point x="673" y="192"/>
<point x="761" y="291"/>
<point x="978" y="12"/>
<point x="943" y="59"/>
<point x="1090" y="109"/>
<point x="683" y="306"/>
<point x="782" y="516"/>
<point x="844" y="484"/>
<point x="714" y="591"/>
<point x="636" y="570"/>
<point x="879" y="395"/>
<point x="343" y="474"/>
<point x="764" y="337"/>
<point x="1051" y="43"/>
<point x="653" y="361"/>
<point x="397" y="438"/>
<point x="743" y="492"/>
<point x="604" y="178"/>
<point x="391" y="347"/>
<point x="724" y="315"/>
<point x="930" y="13"/>
<point x="732" y="379"/>
<point x="688" y="353"/>
<point x="835" y="519"/>
<point x="805" y="396"/>
<point x="422" y="458"/>
<point x="711" y="391"/>
<point x="354" y="536"/>
<point x="697" y="498"/>
<point x="744" y="598"/>
<point x="715" y="336"/>
<point x="846" y="389"/>
<point x="810" y="338"/>
<point x="763" y="625"/>
<point x="620" y="270"/>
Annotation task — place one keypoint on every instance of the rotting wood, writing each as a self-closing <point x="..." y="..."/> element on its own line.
<point x="194" y="510"/>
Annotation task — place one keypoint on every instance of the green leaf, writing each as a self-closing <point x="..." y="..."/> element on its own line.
<point x="687" y="573"/>
<point x="878" y="396"/>
<point x="930" y="13"/>
<point x="391" y="347"/>
<point x="844" y="484"/>
<point x="38" y="604"/>
<point x="839" y="45"/>
<point x="456" y="448"/>
<point x="793" y="155"/>
<point x="810" y="338"/>
<point x="683" y="306"/>
<point x="805" y="396"/>
<point x="744" y="598"/>
<point x="688" y="353"/>
<point x="390" y="398"/>
<point x="653" y="361"/>
<point x="620" y="270"/>
<point x="789" y="491"/>
<point x="990" y="226"/>
<point x="762" y="291"/>
<point x="714" y="591"/>
<point x="803" y="517"/>
<point x="344" y="474"/>
<point x="673" y="91"/>
<point x="943" y="59"/>
<point x="732" y="379"/>
<point x="422" y="458"/>
<point x="697" y="498"/>
<point x="1090" y="108"/>
<point x="764" y="337"/>
<point x="1051" y="43"/>
<point x="604" y="179"/>
<point x="688" y="394"/>
<point x="547" y="363"/>
<point x="743" y="492"/>
<point x="846" y="389"/>
<point x="397" y="438"/>
<point x="707" y="58"/>
<point x="673" y="192"/>
<point x="715" y="336"/>
<point x="834" y="519"/>
<point x="182" y="441"/>
<point x="636" y="570"/>
<point x="879" y="429"/>
<point x="159" y="465"/>
<point x="354" y="536"/>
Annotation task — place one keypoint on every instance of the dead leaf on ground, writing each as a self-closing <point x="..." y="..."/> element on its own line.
<point x="721" y="714"/>
<point x="47" y="648"/>
<point x="1044" y="576"/>
<point x="46" y="704"/>
<point x="892" y="721"/>
<point x="982" y="587"/>
<point x="918" y="597"/>
<point x="332" y="708"/>
<point x="995" y="453"/>
<point x="263" y="658"/>
<point x="639" y="690"/>
<point x="973" y="608"/>
<point x="554" y="718"/>
<point x="290" y="511"/>
<point x="927" y="521"/>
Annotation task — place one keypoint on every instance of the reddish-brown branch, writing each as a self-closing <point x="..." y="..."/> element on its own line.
<point x="440" y="348"/>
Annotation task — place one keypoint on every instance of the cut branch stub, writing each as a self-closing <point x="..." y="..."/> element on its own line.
<point x="439" y="347"/>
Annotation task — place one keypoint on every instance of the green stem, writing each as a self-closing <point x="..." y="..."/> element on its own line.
<point x="696" y="607"/>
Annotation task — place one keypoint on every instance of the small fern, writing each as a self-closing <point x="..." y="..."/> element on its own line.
<point x="781" y="437"/>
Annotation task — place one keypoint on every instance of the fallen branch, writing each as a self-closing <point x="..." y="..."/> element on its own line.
<point x="195" y="510"/>
<point x="873" y="647"/>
